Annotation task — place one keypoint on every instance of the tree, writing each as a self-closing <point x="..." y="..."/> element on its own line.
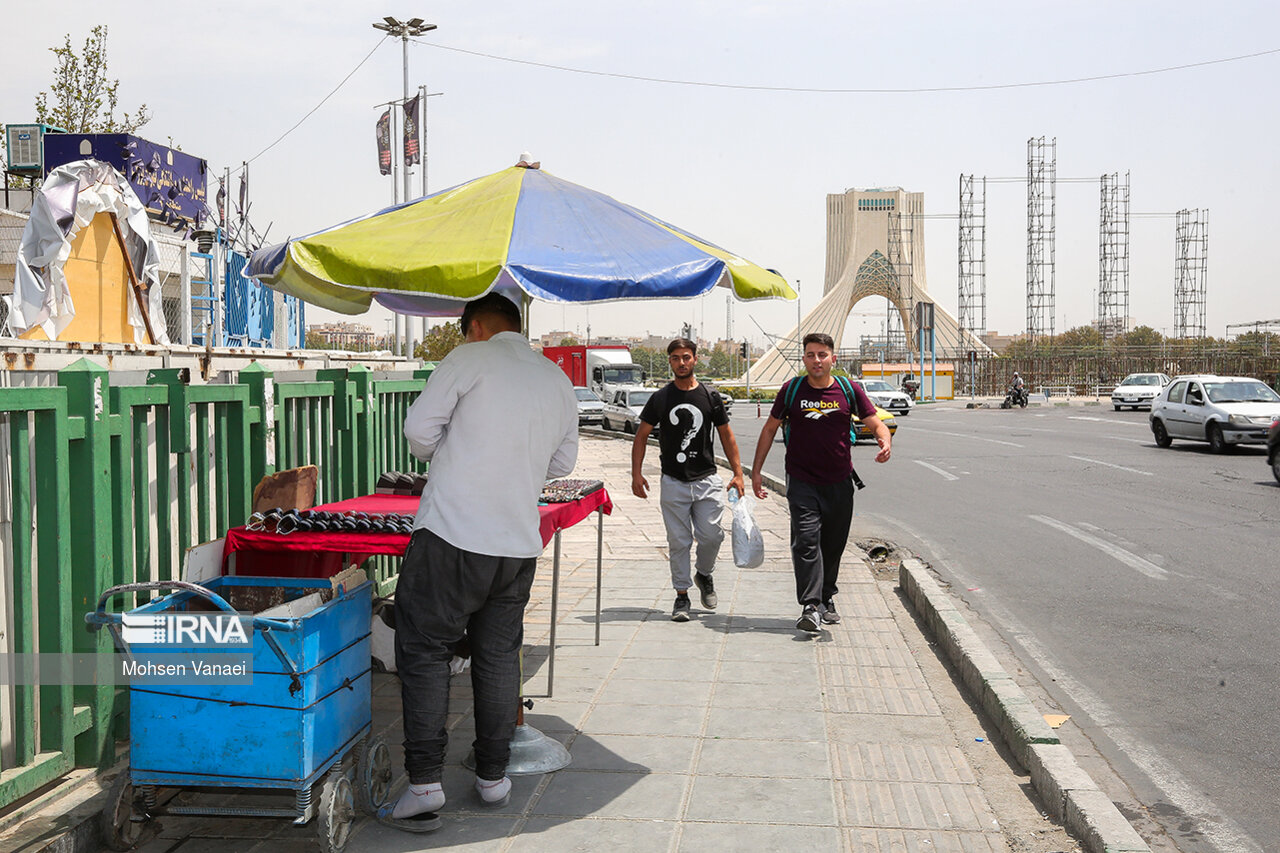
<point x="1081" y="336"/>
<point x="719" y="363"/>
<point x="1141" y="336"/>
<point x="570" y="341"/>
<point x="653" y="361"/>
<point x="439" y="342"/>
<point x="84" y="99"/>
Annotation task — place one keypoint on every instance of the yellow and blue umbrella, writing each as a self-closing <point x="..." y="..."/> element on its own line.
<point x="518" y="230"/>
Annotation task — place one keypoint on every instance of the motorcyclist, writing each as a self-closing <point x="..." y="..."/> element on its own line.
<point x="1017" y="389"/>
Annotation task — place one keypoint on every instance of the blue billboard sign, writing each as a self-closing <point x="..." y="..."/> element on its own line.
<point x="171" y="184"/>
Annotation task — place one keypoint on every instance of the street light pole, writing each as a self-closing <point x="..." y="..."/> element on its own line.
<point x="402" y="30"/>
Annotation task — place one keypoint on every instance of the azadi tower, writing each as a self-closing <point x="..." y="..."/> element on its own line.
<point x="865" y="258"/>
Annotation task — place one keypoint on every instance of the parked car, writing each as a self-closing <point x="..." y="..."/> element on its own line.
<point x="1222" y="410"/>
<point x="590" y="406"/>
<point x="886" y="396"/>
<point x="1138" y="390"/>
<point x="1273" y="449"/>
<point x="886" y="418"/>
<point x="623" y="411"/>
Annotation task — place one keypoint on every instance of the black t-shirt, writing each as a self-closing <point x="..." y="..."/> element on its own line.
<point x="686" y="418"/>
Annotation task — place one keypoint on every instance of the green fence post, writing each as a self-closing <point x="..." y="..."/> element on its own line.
<point x="262" y="421"/>
<point x="363" y="407"/>
<point x="92" y="536"/>
<point x="343" y="439"/>
<point x="179" y="446"/>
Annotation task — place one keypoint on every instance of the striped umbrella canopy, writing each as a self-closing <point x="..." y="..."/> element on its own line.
<point x="520" y="231"/>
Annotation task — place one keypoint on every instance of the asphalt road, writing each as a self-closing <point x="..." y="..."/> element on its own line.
<point x="1137" y="585"/>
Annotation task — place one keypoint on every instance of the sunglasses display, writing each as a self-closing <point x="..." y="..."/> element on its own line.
<point x="286" y="521"/>
<point x="400" y="483"/>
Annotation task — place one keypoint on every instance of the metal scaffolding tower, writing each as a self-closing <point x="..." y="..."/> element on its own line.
<point x="1190" y="272"/>
<point x="973" y="257"/>
<point x="899" y="245"/>
<point x="1113" y="256"/>
<point x="1042" y="187"/>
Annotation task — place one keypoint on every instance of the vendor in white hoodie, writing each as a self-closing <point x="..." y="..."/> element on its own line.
<point x="496" y="420"/>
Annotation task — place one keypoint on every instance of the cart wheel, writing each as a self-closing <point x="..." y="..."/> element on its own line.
<point x="373" y="774"/>
<point x="337" y="810"/>
<point x="121" y="826"/>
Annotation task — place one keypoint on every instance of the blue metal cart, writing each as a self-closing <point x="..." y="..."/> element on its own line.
<point x="304" y="722"/>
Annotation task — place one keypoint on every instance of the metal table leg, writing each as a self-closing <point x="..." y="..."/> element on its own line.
<point x="599" y="566"/>
<point x="555" y="600"/>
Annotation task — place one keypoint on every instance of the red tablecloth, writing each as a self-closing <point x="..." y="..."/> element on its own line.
<point x="308" y="554"/>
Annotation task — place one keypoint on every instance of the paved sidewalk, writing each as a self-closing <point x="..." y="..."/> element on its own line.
<point x="731" y="731"/>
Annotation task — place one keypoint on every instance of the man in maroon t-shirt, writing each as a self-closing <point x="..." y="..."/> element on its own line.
<point x="819" y="475"/>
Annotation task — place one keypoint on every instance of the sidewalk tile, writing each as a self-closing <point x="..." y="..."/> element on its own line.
<point x="636" y="691"/>
<point x="587" y="835"/>
<point x="758" y="838"/>
<point x="645" y="720"/>
<point x="766" y="723"/>
<point x="915" y="805"/>
<point x="772" y="759"/>
<point x="634" y="753"/>
<point x="902" y="762"/>
<point x="648" y="796"/>
<point x="763" y="800"/>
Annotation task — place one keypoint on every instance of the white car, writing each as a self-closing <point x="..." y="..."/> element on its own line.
<point x="1222" y="410"/>
<point x="590" y="406"/>
<point x="1138" y="390"/>
<point x="886" y="396"/>
<point x="623" y="411"/>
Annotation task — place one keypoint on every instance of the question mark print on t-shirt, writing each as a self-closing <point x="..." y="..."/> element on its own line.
<point x="695" y="417"/>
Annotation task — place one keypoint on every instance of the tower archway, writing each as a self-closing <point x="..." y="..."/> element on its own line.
<point x="875" y="247"/>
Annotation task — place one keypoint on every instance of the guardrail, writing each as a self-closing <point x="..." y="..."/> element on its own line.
<point x="1056" y="391"/>
<point x="104" y="484"/>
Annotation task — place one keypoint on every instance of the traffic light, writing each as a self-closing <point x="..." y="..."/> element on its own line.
<point x="742" y="349"/>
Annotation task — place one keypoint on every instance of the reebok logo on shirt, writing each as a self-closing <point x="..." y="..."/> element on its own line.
<point x="816" y="409"/>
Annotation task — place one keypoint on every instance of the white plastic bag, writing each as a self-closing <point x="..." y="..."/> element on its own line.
<point x="748" y="543"/>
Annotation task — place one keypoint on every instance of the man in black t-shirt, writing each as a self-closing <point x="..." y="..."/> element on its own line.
<point x="692" y="496"/>
<point x="819" y="474"/>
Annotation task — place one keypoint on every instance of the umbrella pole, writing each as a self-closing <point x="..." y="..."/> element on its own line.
<point x="525" y="301"/>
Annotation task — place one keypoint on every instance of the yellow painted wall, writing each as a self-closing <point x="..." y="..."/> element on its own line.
<point x="99" y="284"/>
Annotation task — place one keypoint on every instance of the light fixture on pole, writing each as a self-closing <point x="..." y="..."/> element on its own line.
<point x="402" y="30"/>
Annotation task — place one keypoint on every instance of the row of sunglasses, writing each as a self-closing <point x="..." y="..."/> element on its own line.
<point x="286" y="521"/>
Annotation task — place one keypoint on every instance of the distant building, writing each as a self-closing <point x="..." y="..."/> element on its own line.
<point x="998" y="342"/>
<point x="554" y="339"/>
<point x="348" y="336"/>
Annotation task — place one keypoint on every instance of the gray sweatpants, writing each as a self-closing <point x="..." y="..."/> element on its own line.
<point x="691" y="511"/>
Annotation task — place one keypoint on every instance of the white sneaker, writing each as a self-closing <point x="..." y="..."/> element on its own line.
<point x="494" y="794"/>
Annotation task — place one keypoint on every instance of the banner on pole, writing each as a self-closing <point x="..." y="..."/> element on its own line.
<point x="384" y="143"/>
<point x="412" y="152"/>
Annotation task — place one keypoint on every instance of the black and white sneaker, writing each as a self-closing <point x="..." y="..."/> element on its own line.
<point x="680" y="612"/>
<point x="707" y="587"/>
<point x="809" y="620"/>
<point x="829" y="613"/>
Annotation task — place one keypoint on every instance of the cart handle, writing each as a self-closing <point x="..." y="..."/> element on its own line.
<point x="100" y="616"/>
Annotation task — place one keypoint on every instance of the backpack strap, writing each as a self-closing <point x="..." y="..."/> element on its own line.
<point x="847" y="387"/>
<point x="789" y="392"/>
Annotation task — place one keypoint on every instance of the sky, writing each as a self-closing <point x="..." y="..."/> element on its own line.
<point x="748" y="169"/>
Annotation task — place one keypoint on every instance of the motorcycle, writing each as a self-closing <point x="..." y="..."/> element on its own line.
<point x="1015" y="397"/>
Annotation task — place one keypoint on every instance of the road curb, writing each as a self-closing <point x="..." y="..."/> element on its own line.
<point x="1068" y="792"/>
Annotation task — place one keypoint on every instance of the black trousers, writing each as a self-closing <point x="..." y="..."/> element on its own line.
<point x="820" y="519"/>
<point x="443" y="592"/>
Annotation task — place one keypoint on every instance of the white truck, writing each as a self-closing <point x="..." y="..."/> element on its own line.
<point x="610" y="369"/>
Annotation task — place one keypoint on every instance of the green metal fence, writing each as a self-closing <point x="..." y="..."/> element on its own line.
<point x="112" y="484"/>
